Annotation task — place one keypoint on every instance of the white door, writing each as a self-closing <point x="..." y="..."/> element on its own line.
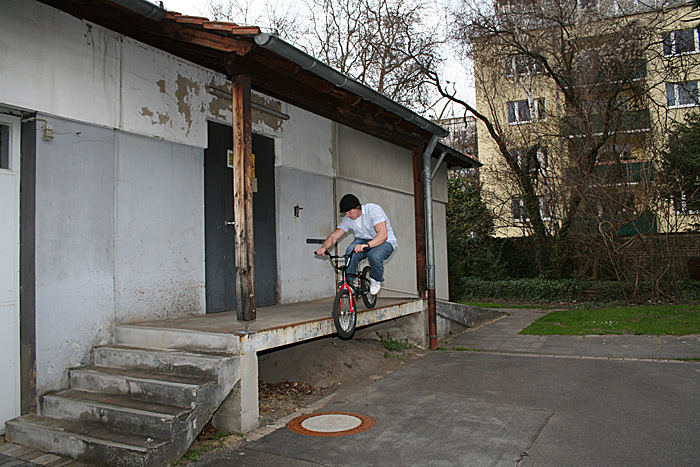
<point x="9" y="269"/>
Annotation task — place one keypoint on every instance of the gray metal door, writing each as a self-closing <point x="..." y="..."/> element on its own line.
<point x="264" y="222"/>
<point x="220" y="239"/>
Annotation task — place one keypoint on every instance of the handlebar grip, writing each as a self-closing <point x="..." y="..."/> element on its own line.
<point x="367" y="248"/>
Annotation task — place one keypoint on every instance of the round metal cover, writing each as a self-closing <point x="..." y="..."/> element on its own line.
<point x="330" y="424"/>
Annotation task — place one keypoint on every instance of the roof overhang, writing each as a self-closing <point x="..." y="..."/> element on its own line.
<point x="276" y="67"/>
<point x="454" y="158"/>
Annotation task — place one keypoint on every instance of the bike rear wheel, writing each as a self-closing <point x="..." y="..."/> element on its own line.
<point x="368" y="299"/>
<point x="343" y="317"/>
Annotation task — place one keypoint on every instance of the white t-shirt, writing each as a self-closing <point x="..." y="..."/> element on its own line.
<point x="363" y="226"/>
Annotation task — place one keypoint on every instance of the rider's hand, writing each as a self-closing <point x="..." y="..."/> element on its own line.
<point x="321" y="251"/>
<point x="360" y="247"/>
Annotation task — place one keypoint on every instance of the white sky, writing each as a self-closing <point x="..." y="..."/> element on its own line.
<point x="454" y="72"/>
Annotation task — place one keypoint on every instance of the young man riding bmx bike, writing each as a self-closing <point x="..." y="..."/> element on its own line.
<point x="374" y="238"/>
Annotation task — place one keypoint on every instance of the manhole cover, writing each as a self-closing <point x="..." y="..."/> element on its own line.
<point x="330" y="424"/>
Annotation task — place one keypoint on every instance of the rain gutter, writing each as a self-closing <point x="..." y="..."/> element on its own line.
<point x="144" y="8"/>
<point x="307" y="62"/>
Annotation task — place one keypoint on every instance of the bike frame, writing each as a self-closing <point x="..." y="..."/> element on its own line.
<point x="345" y="283"/>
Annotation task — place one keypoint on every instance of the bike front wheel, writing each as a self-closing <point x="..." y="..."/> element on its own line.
<point x="369" y="299"/>
<point x="344" y="317"/>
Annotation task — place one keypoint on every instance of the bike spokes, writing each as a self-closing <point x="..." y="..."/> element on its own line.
<point x="344" y="316"/>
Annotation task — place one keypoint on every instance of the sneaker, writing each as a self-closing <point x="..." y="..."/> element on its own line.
<point x="374" y="286"/>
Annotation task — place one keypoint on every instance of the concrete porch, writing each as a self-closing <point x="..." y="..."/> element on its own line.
<point x="275" y="326"/>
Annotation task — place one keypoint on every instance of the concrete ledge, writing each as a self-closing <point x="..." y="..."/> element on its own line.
<point x="298" y="332"/>
<point x="466" y="315"/>
<point x="180" y="339"/>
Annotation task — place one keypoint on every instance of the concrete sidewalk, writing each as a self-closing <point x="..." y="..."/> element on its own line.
<point x="522" y="400"/>
<point x="502" y="336"/>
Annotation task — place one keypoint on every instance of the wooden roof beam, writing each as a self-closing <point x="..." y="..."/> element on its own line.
<point x="211" y="40"/>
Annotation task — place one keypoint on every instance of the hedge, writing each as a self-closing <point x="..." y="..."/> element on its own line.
<point x="569" y="290"/>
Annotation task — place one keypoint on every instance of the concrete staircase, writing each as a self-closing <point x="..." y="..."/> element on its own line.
<point x="141" y="402"/>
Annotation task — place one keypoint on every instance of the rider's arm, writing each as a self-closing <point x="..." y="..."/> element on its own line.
<point x="381" y="236"/>
<point x="378" y="239"/>
<point x="331" y="240"/>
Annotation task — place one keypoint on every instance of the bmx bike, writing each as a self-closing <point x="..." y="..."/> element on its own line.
<point x="345" y="304"/>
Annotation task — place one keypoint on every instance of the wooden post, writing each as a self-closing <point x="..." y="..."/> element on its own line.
<point x="243" y="197"/>
<point x="419" y="209"/>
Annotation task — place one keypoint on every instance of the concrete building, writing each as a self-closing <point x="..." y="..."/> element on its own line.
<point x="116" y="126"/>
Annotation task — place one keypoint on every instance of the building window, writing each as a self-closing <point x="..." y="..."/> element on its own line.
<point x="521" y="65"/>
<point x="522" y="111"/>
<point x="4" y="146"/>
<point x="615" y="152"/>
<point x="519" y="212"/>
<point x="682" y="41"/>
<point x="683" y="94"/>
<point x="684" y="204"/>
<point x="532" y="162"/>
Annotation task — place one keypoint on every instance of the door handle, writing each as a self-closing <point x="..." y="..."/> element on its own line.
<point x="229" y="223"/>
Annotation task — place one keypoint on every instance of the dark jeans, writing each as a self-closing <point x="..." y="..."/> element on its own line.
<point x="376" y="257"/>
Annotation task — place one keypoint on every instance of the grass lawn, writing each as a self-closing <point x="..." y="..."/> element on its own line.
<point x="675" y="320"/>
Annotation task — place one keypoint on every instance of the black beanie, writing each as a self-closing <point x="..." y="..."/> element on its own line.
<point x="348" y="202"/>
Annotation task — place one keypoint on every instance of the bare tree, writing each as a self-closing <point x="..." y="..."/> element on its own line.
<point x="377" y="42"/>
<point x="566" y="92"/>
<point x="280" y="18"/>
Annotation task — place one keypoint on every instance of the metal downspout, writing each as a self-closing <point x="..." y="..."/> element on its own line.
<point x="429" y="242"/>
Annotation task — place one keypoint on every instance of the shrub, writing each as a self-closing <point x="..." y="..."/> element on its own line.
<point x="569" y="290"/>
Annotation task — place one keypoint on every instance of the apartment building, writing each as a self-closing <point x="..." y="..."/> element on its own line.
<point x="581" y="97"/>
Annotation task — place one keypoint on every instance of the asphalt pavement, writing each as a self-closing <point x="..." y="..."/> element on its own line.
<point x="506" y="399"/>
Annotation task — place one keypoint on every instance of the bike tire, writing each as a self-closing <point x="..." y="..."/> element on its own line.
<point x="367" y="298"/>
<point x="343" y="318"/>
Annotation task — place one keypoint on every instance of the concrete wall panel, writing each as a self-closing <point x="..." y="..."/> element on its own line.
<point x="374" y="161"/>
<point x="58" y="64"/>
<point x="74" y="247"/>
<point x="160" y="229"/>
<point x="301" y="276"/>
<point x="307" y="144"/>
<point x="164" y="96"/>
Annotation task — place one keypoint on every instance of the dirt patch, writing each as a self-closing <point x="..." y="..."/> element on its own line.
<point x="299" y="375"/>
<point x="296" y="376"/>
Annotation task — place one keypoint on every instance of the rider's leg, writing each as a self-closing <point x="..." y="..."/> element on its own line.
<point x="354" y="259"/>
<point x="376" y="257"/>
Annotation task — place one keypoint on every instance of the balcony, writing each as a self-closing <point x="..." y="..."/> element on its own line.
<point x="616" y="173"/>
<point x="631" y="121"/>
<point x="645" y="223"/>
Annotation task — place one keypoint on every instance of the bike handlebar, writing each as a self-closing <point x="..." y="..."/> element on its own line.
<point x="367" y="248"/>
<point x="337" y="257"/>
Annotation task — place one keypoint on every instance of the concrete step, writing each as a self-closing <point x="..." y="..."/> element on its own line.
<point x="133" y="335"/>
<point x="175" y="390"/>
<point x="121" y="413"/>
<point x="176" y="362"/>
<point x="93" y="443"/>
